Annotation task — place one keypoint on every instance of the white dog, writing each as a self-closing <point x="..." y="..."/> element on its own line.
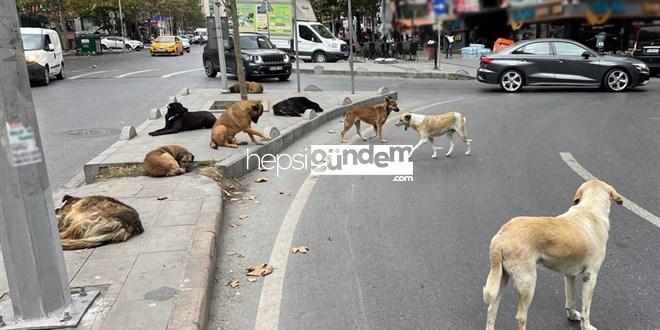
<point x="573" y="243"/>
<point x="429" y="127"/>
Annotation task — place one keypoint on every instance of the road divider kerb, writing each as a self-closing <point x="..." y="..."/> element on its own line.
<point x="414" y="75"/>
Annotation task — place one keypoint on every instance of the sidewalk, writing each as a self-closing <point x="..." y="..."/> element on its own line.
<point x="456" y="67"/>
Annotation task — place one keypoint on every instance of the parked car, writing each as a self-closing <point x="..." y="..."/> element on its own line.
<point x="43" y="54"/>
<point x="166" y="45"/>
<point x="260" y="58"/>
<point x="317" y="44"/>
<point x="119" y="43"/>
<point x="186" y="43"/>
<point x="647" y="47"/>
<point x="559" y="62"/>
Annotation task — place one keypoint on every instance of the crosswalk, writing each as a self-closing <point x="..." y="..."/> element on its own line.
<point x="120" y="74"/>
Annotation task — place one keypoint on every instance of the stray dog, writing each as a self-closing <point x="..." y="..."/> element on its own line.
<point x="237" y="119"/>
<point x="429" y="127"/>
<point x="251" y="87"/>
<point x="374" y="115"/>
<point x="178" y="119"/>
<point x="167" y="161"/>
<point x="93" y="221"/>
<point x="295" y="106"/>
<point x="573" y="243"/>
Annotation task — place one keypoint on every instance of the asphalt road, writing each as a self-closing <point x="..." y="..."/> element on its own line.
<point x="389" y="255"/>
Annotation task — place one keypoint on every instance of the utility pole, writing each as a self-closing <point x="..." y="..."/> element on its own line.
<point x="220" y="40"/>
<point x="34" y="262"/>
<point x="350" y="46"/>
<point x="123" y="30"/>
<point x="437" y="50"/>
<point x="294" y="26"/>
<point x="240" y="69"/>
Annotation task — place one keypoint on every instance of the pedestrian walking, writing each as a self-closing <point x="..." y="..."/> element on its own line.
<point x="449" y="44"/>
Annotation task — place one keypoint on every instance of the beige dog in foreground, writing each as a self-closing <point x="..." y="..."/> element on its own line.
<point x="429" y="127"/>
<point x="573" y="243"/>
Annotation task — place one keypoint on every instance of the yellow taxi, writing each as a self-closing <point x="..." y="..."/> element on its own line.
<point x="166" y="45"/>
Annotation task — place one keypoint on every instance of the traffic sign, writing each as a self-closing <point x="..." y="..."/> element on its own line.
<point x="439" y="7"/>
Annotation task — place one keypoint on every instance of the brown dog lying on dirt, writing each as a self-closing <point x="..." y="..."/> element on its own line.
<point x="93" y="221"/>
<point x="375" y="115"/>
<point x="168" y="160"/>
<point x="251" y="87"/>
<point x="237" y="119"/>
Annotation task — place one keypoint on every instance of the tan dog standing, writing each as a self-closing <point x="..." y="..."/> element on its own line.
<point x="237" y="119"/>
<point x="168" y="160"/>
<point x="251" y="87"/>
<point x="375" y="115"/>
<point x="573" y="243"/>
<point x="93" y="221"/>
<point x="429" y="127"/>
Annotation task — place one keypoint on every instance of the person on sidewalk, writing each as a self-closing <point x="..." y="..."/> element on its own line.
<point x="449" y="44"/>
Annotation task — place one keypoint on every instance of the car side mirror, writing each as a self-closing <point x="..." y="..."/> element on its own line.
<point x="51" y="47"/>
<point x="586" y="55"/>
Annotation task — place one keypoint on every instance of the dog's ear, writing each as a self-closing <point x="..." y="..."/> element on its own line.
<point x="256" y="111"/>
<point x="578" y="196"/>
<point x="407" y="117"/>
<point x="68" y="198"/>
<point x="614" y="195"/>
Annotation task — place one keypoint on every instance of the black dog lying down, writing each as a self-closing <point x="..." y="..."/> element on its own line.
<point x="295" y="106"/>
<point x="178" y="119"/>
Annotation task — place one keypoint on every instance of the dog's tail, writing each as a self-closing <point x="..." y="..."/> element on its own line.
<point x="464" y="128"/>
<point x="492" y="287"/>
<point x="120" y="235"/>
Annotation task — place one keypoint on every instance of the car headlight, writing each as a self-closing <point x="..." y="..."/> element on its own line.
<point x="247" y="58"/>
<point x="286" y="58"/>
<point x="257" y="59"/>
<point x="641" y="66"/>
<point x="31" y="58"/>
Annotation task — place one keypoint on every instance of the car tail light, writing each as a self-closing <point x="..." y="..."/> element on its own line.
<point x="485" y="60"/>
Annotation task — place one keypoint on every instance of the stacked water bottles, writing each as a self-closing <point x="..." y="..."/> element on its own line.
<point x="475" y="50"/>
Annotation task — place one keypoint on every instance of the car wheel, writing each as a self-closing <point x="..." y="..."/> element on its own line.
<point x="209" y="69"/>
<point x="284" y="78"/>
<point x="104" y="47"/>
<point x="188" y="50"/>
<point x="511" y="81"/>
<point x="60" y="76"/>
<point x="617" y="80"/>
<point x="45" y="80"/>
<point x="319" y="57"/>
<point x="128" y="47"/>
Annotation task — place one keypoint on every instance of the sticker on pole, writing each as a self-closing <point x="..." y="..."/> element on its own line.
<point x="23" y="148"/>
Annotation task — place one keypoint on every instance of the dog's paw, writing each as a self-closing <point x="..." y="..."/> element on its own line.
<point x="383" y="141"/>
<point x="573" y="315"/>
<point x="588" y="327"/>
<point x="365" y="139"/>
<point x="266" y="139"/>
<point x="447" y="154"/>
<point x="343" y="141"/>
<point x="434" y="156"/>
<point x="467" y="153"/>
<point x="213" y="146"/>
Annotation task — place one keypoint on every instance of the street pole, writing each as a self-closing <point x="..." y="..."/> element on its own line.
<point x="350" y="46"/>
<point x="219" y="37"/>
<point x="437" y="54"/>
<point x="123" y="31"/>
<point x="268" y="18"/>
<point x="33" y="258"/>
<point x="295" y="40"/>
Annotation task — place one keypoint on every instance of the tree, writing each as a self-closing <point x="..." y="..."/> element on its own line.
<point x="230" y="7"/>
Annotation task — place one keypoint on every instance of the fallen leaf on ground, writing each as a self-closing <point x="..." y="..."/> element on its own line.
<point x="161" y="198"/>
<point x="284" y="193"/>
<point x="252" y="279"/>
<point x="234" y="225"/>
<point x="235" y="199"/>
<point x="332" y="131"/>
<point x="233" y="284"/>
<point x="300" y="249"/>
<point x="231" y="253"/>
<point x="259" y="270"/>
<point x="250" y="198"/>
<point x="243" y="216"/>
<point x="261" y="180"/>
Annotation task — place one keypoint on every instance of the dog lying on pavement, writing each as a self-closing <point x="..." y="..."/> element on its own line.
<point x="237" y="119"/>
<point x="375" y="115"/>
<point x="251" y="87"/>
<point x="295" y="106"/>
<point x="179" y="119"/>
<point x="429" y="127"/>
<point x="93" y="221"/>
<point x="573" y="243"/>
<point x="168" y="160"/>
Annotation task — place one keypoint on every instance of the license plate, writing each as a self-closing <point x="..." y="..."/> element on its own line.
<point x="276" y="68"/>
<point x="653" y="50"/>
<point x="162" y="49"/>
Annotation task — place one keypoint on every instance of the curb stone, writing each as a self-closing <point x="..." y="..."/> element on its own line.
<point x="417" y="75"/>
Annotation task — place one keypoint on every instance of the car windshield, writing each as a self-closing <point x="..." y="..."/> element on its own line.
<point x="323" y="31"/>
<point x="649" y="34"/>
<point x="165" y="39"/>
<point x="255" y="42"/>
<point x="32" y="41"/>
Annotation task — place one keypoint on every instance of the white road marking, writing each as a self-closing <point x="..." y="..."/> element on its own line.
<point x="133" y="73"/>
<point x="268" y="311"/>
<point x="630" y="205"/>
<point x="181" y="72"/>
<point x="85" y="75"/>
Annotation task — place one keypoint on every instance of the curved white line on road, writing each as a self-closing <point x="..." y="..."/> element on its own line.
<point x="268" y="311"/>
<point x="630" y="205"/>
<point x="86" y="74"/>
<point x="133" y="73"/>
<point x="180" y="72"/>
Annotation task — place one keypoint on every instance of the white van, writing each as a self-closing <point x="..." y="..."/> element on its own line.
<point x="316" y="43"/>
<point x="43" y="54"/>
<point x="200" y="36"/>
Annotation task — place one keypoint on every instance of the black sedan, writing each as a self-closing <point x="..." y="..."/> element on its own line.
<point x="559" y="62"/>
